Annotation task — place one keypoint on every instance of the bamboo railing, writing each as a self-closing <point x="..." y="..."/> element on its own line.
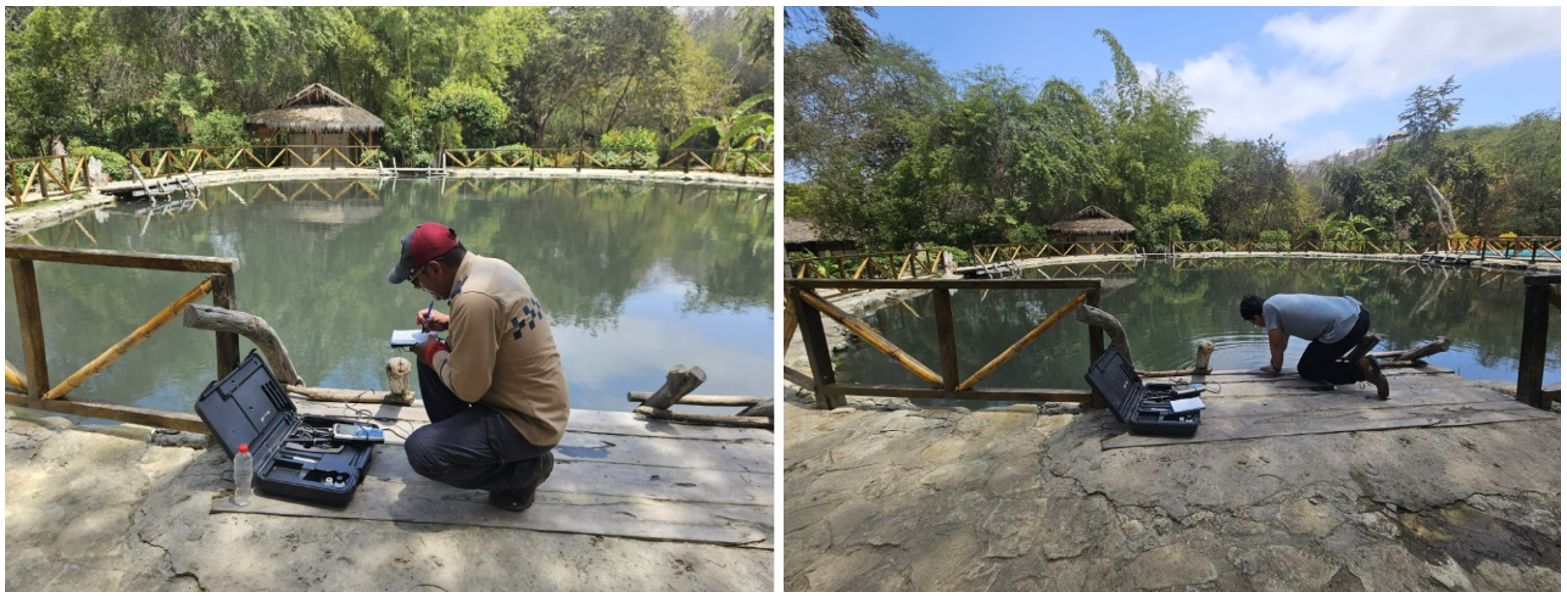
<point x="1182" y="247"/>
<point x="1541" y="292"/>
<point x="745" y="162"/>
<point x="985" y="254"/>
<point x="37" y="390"/>
<point x="807" y="307"/>
<point x="873" y="265"/>
<point x="159" y="161"/>
<point x="66" y="173"/>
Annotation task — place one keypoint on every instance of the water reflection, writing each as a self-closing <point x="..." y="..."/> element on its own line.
<point x="637" y="277"/>
<point x="1167" y="307"/>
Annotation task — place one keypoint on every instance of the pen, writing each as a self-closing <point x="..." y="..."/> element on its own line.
<point x="427" y="311"/>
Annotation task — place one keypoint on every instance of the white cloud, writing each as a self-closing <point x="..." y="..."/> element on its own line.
<point x="1322" y="144"/>
<point x="1363" y="53"/>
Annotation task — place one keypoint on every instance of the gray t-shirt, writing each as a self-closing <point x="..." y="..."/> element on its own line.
<point x="1319" y="318"/>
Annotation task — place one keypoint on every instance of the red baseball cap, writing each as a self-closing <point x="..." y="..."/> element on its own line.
<point x="426" y="242"/>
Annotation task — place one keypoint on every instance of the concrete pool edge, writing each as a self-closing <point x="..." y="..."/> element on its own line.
<point x="32" y="220"/>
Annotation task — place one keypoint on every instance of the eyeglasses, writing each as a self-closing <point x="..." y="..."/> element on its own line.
<point x="415" y="276"/>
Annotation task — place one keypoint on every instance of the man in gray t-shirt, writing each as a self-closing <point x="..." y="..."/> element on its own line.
<point x="1333" y="324"/>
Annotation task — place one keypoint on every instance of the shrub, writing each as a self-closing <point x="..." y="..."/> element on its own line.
<point x="114" y="164"/>
<point x="515" y="153"/>
<point x="421" y="159"/>
<point x="218" y="128"/>
<point x="1273" y="240"/>
<point x="478" y="111"/>
<point x="632" y="148"/>
<point x="373" y="156"/>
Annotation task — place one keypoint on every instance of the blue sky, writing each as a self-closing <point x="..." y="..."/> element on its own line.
<point x="1320" y="79"/>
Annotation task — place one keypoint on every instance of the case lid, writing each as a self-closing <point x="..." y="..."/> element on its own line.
<point x="1114" y="378"/>
<point x="241" y="407"/>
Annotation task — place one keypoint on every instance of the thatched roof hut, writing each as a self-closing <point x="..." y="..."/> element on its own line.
<point x="802" y="235"/>
<point x="1092" y="224"/>
<point x="316" y="110"/>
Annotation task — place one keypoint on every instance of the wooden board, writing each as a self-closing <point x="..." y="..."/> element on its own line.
<point x="617" y="480"/>
<point x="580" y="421"/>
<point x="418" y="500"/>
<point x="1342" y="420"/>
<point x="636" y="479"/>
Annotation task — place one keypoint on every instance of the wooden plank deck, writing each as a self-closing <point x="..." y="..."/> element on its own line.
<point x="1245" y="405"/>
<point x="615" y="475"/>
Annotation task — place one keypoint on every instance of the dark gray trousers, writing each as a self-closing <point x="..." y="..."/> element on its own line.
<point x="469" y="445"/>
<point x="1323" y="361"/>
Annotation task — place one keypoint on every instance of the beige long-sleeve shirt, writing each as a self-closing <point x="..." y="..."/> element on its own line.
<point x="502" y="352"/>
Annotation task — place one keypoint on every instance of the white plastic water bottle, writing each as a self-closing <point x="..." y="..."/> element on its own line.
<point x="243" y="473"/>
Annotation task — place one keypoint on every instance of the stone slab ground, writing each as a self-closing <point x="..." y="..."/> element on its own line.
<point x="104" y="508"/>
<point x="883" y="495"/>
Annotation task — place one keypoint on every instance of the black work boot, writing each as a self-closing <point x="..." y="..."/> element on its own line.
<point x="1373" y="372"/>
<point x="1365" y="345"/>
<point x="522" y="499"/>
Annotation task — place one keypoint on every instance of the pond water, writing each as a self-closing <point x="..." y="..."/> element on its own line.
<point x="1168" y="307"/>
<point x="636" y="277"/>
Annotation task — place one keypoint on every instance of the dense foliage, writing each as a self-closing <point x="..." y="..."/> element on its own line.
<point x="892" y="152"/>
<point x="124" y="77"/>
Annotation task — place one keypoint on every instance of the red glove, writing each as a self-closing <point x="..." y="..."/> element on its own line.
<point x="428" y="349"/>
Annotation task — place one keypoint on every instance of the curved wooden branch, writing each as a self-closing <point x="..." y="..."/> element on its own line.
<point x="212" y="318"/>
<point x="1111" y="326"/>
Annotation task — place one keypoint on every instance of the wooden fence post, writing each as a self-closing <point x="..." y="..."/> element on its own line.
<point x="25" y="284"/>
<point x="815" y="338"/>
<point x="946" y="338"/>
<point x="1531" y="352"/>
<point x="227" y="343"/>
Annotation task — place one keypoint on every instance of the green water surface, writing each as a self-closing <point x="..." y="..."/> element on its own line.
<point x="636" y="278"/>
<point x="1168" y="307"/>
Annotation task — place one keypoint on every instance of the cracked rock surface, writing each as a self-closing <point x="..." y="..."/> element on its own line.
<point x="105" y="509"/>
<point x="887" y="496"/>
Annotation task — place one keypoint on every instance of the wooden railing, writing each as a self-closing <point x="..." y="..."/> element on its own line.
<point x="985" y="254"/>
<point x="67" y="174"/>
<point x="874" y="265"/>
<point x="39" y="393"/>
<point x="1541" y="292"/>
<point x="1340" y="246"/>
<point x="1538" y="248"/>
<point x="807" y="308"/>
<point x="732" y="161"/>
<point x="158" y="161"/>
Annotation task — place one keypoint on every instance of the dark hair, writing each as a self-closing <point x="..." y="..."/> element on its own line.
<point x="1251" y="306"/>
<point x="453" y="257"/>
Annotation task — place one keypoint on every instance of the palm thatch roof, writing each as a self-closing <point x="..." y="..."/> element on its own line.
<point x="1091" y="220"/>
<point x="316" y="108"/>
<point x="799" y="231"/>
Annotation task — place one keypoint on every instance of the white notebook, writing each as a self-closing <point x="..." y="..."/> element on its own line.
<point x="407" y="338"/>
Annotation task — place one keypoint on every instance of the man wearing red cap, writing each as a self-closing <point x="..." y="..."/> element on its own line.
<point x="494" y="391"/>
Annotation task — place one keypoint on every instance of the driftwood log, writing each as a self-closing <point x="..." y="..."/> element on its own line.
<point x="702" y="400"/>
<point x="1436" y="346"/>
<point x="212" y="318"/>
<point x="680" y="381"/>
<point x="1111" y="326"/>
<point x="740" y="421"/>
<point x="761" y="409"/>
<point x="354" y="396"/>
<point x="678" y="385"/>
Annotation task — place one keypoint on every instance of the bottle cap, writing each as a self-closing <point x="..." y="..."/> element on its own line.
<point x="244" y="447"/>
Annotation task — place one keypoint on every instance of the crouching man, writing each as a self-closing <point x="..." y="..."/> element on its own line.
<point x="1333" y="324"/>
<point x="494" y="390"/>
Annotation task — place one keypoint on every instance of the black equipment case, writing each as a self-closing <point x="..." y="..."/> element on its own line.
<point x="1145" y="408"/>
<point x="250" y="406"/>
